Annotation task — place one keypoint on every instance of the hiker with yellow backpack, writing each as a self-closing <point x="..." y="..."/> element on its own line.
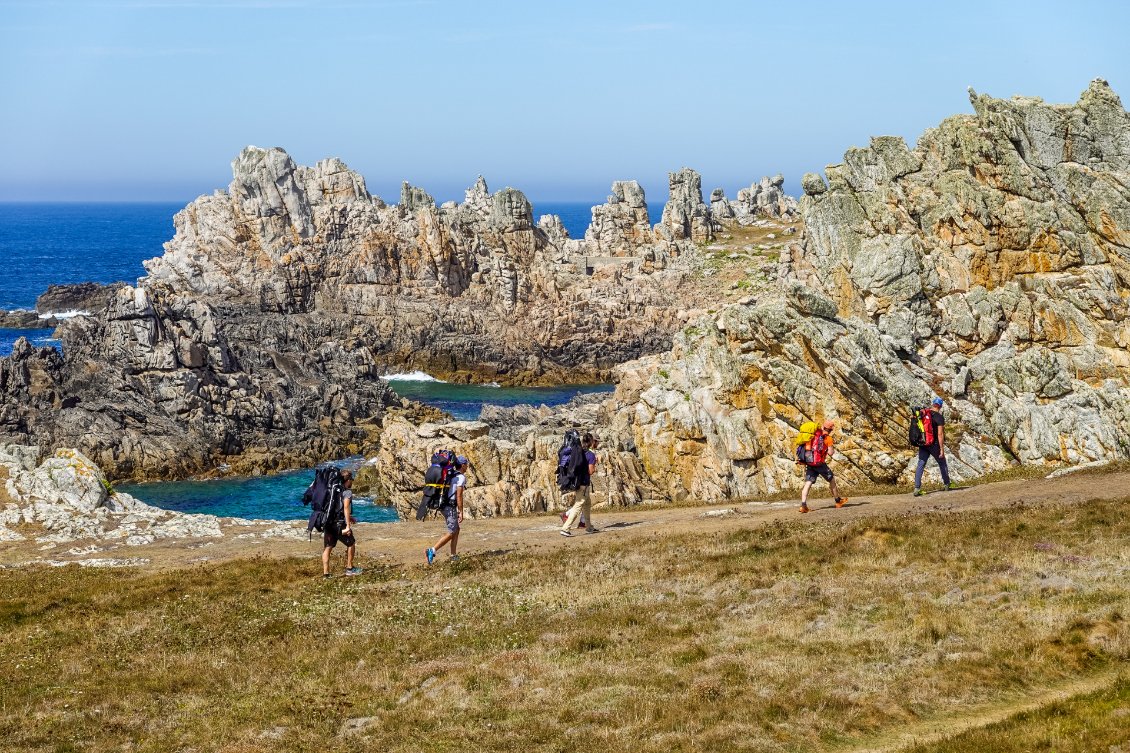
<point x="813" y="450"/>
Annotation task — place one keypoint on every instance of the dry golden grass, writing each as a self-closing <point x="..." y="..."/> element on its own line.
<point x="779" y="638"/>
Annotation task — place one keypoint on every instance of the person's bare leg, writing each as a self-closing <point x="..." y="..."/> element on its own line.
<point x="835" y="489"/>
<point x="443" y="540"/>
<point x="349" y="552"/>
<point x="804" y="493"/>
<point x="326" y="560"/>
<point x="454" y="542"/>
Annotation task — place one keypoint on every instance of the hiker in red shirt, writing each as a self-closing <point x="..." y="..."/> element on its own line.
<point x="815" y="455"/>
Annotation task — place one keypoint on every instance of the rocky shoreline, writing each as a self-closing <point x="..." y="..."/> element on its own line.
<point x="988" y="265"/>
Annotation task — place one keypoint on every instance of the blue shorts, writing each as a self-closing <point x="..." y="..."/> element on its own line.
<point x="451" y="515"/>
<point x="812" y="472"/>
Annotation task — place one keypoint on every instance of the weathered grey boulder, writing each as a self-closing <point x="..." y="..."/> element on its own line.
<point x="68" y="498"/>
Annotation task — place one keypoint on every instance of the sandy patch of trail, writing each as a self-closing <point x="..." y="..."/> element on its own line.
<point x="404" y="542"/>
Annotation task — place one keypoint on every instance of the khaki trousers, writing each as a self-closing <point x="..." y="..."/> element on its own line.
<point x="579" y="501"/>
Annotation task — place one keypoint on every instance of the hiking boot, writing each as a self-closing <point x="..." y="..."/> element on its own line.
<point x="453" y="558"/>
<point x="565" y="533"/>
<point x="592" y="529"/>
<point x="430" y="554"/>
<point x="949" y="487"/>
<point x="918" y="492"/>
<point x="803" y="508"/>
<point x="352" y="571"/>
<point x="327" y="575"/>
<point x="841" y="501"/>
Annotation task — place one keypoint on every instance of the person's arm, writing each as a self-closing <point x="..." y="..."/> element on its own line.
<point x="459" y="501"/>
<point x="941" y="441"/>
<point x="348" y="501"/>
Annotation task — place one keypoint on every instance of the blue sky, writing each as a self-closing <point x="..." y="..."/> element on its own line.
<point x="152" y="99"/>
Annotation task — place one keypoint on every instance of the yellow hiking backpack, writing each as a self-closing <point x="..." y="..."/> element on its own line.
<point x="807" y="432"/>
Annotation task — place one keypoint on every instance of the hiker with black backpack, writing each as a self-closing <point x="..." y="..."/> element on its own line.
<point x="576" y="464"/>
<point x="330" y="496"/>
<point x="452" y="511"/>
<point x="928" y="433"/>
<point x="339" y="527"/>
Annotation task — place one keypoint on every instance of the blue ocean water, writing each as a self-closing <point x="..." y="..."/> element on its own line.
<point x="277" y="497"/>
<point x="37" y="337"/>
<point x="464" y="401"/>
<point x="45" y="244"/>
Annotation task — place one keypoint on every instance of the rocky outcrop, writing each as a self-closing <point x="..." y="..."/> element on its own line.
<point x="766" y="198"/>
<point x="622" y="226"/>
<point x="24" y="319"/>
<point x="685" y="215"/>
<point x="83" y="296"/>
<point x="508" y="476"/>
<point x="257" y="340"/>
<point x="67" y="498"/>
<point x="989" y="265"/>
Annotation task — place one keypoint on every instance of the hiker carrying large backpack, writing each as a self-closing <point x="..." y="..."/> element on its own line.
<point x="813" y="447"/>
<point x="324" y="497"/>
<point x="576" y="461"/>
<point x="927" y="432"/>
<point x="437" y="482"/>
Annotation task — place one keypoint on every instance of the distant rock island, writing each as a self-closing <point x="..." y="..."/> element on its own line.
<point x="989" y="265"/>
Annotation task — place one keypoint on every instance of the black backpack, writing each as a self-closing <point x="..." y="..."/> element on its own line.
<point x="324" y="497"/>
<point x="571" y="463"/>
<point x="437" y="481"/>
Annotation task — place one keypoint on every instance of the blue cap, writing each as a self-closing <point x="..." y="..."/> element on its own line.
<point x="938" y="402"/>
<point x="461" y="460"/>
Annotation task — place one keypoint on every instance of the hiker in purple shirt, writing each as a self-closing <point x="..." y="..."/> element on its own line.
<point x="582" y="497"/>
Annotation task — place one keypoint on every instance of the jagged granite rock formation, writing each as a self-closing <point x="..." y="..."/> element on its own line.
<point x="474" y="290"/>
<point x="685" y="215"/>
<point x="989" y="265"/>
<point x="765" y="199"/>
<point x="257" y="340"/>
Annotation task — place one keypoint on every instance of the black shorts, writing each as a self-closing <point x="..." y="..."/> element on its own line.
<point x="813" y="472"/>
<point x="333" y="534"/>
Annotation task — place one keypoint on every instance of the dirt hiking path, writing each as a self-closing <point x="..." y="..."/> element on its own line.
<point x="404" y="542"/>
<point x="932" y="731"/>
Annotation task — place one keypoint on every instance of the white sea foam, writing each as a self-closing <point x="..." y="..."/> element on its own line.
<point x="411" y="376"/>
<point x="492" y="384"/>
<point x="65" y="314"/>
